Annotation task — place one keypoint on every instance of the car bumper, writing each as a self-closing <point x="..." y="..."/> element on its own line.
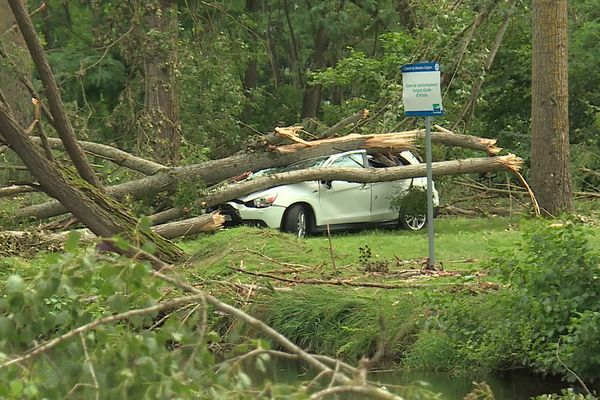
<point x="268" y="216"/>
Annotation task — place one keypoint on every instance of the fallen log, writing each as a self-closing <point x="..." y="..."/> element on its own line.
<point x="29" y="243"/>
<point x="204" y="223"/>
<point x="112" y="154"/>
<point x="471" y="165"/>
<point x="14" y="190"/>
<point x="215" y="171"/>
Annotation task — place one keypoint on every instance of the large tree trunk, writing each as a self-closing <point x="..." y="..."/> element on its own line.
<point x="213" y="172"/>
<point x="550" y="168"/>
<point x="89" y="204"/>
<point x="61" y="122"/>
<point x="14" y="47"/>
<point x="161" y="104"/>
<point x="312" y="94"/>
<point x="15" y="61"/>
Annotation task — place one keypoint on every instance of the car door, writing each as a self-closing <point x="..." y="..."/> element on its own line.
<point x="344" y="202"/>
<point x="383" y="192"/>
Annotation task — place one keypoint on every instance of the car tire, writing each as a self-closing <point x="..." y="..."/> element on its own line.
<point x="412" y="222"/>
<point x="297" y="220"/>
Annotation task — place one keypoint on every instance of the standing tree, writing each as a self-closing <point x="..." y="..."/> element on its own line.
<point x="81" y="194"/>
<point x="550" y="169"/>
<point x="161" y="103"/>
<point x="15" y="59"/>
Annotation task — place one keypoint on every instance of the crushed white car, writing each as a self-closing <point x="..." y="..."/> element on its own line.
<point x="309" y="207"/>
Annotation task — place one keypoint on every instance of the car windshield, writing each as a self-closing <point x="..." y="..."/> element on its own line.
<point x="304" y="164"/>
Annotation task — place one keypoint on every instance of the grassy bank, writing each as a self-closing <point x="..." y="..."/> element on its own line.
<point x="463" y="319"/>
<point x="507" y="292"/>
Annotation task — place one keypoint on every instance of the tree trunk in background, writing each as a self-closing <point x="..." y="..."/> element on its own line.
<point x="550" y="168"/>
<point x="61" y="121"/>
<point x="89" y="204"/>
<point x="312" y="94"/>
<point x="251" y="73"/>
<point x="405" y="11"/>
<point x="161" y="102"/>
<point x="14" y="44"/>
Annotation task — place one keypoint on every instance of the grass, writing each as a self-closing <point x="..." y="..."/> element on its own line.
<point x="348" y="322"/>
<point x="460" y="242"/>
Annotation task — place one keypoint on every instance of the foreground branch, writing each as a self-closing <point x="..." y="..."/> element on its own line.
<point x="167" y="305"/>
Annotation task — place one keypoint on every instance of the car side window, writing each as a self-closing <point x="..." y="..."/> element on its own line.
<point x="349" y="161"/>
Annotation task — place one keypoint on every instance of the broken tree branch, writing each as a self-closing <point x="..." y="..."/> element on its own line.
<point x="204" y="223"/>
<point x="216" y="171"/>
<point x="112" y="154"/>
<point x="350" y="120"/>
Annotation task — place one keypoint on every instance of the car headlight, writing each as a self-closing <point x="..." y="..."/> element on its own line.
<point x="265" y="201"/>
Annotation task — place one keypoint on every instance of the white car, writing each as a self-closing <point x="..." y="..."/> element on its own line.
<point x="309" y="207"/>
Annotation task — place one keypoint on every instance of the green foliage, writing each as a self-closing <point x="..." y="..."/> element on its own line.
<point x="566" y="394"/>
<point x="187" y="193"/>
<point x="410" y="202"/>
<point x="124" y="359"/>
<point x="555" y="277"/>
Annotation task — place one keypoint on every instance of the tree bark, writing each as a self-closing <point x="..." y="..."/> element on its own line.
<point x="312" y="94"/>
<point x="215" y="171"/>
<point x="113" y="154"/>
<point x="89" y="204"/>
<point x="161" y="103"/>
<point x="62" y="123"/>
<point x="550" y="165"/>
<point x="13" y="45"/>
<point x="204" y="223"/>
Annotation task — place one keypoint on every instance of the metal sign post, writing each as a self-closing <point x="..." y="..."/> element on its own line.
<point x="422" y="97"/>
<point x="428" y="157"/>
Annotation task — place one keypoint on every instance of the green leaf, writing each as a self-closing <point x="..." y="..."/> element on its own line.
<point x="118" y="303"/>
<point x="6" y="327"/>
<point x="72" y="242"/>
<point x="14" y="284"/>
<point x="16" y="387"/>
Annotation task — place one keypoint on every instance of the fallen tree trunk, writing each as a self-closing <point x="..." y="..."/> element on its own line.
<point x="466" y="166"/>
<point x="15" y="190"/>
<point x="204" y="223"/>
<point x="113" y="154"/>
<point x="215" y="171"/>
<point x="25" y="243"/>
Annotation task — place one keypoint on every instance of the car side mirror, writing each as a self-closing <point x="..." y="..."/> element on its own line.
<point x="327" y="184"/>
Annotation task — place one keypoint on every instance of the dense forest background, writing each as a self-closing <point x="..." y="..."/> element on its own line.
<point x="187" y="81"/>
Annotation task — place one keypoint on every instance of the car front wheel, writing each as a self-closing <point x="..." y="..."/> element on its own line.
<point x="297" y="221"/>
<point x="413" y="222"/>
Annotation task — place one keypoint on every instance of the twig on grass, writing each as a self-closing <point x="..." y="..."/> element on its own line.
<point x="331" y="251"/>
<point x="334" y="282"/>
<point x="274" y="261"/>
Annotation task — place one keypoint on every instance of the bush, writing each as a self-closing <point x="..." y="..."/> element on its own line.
<point x="554" y="275"/>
